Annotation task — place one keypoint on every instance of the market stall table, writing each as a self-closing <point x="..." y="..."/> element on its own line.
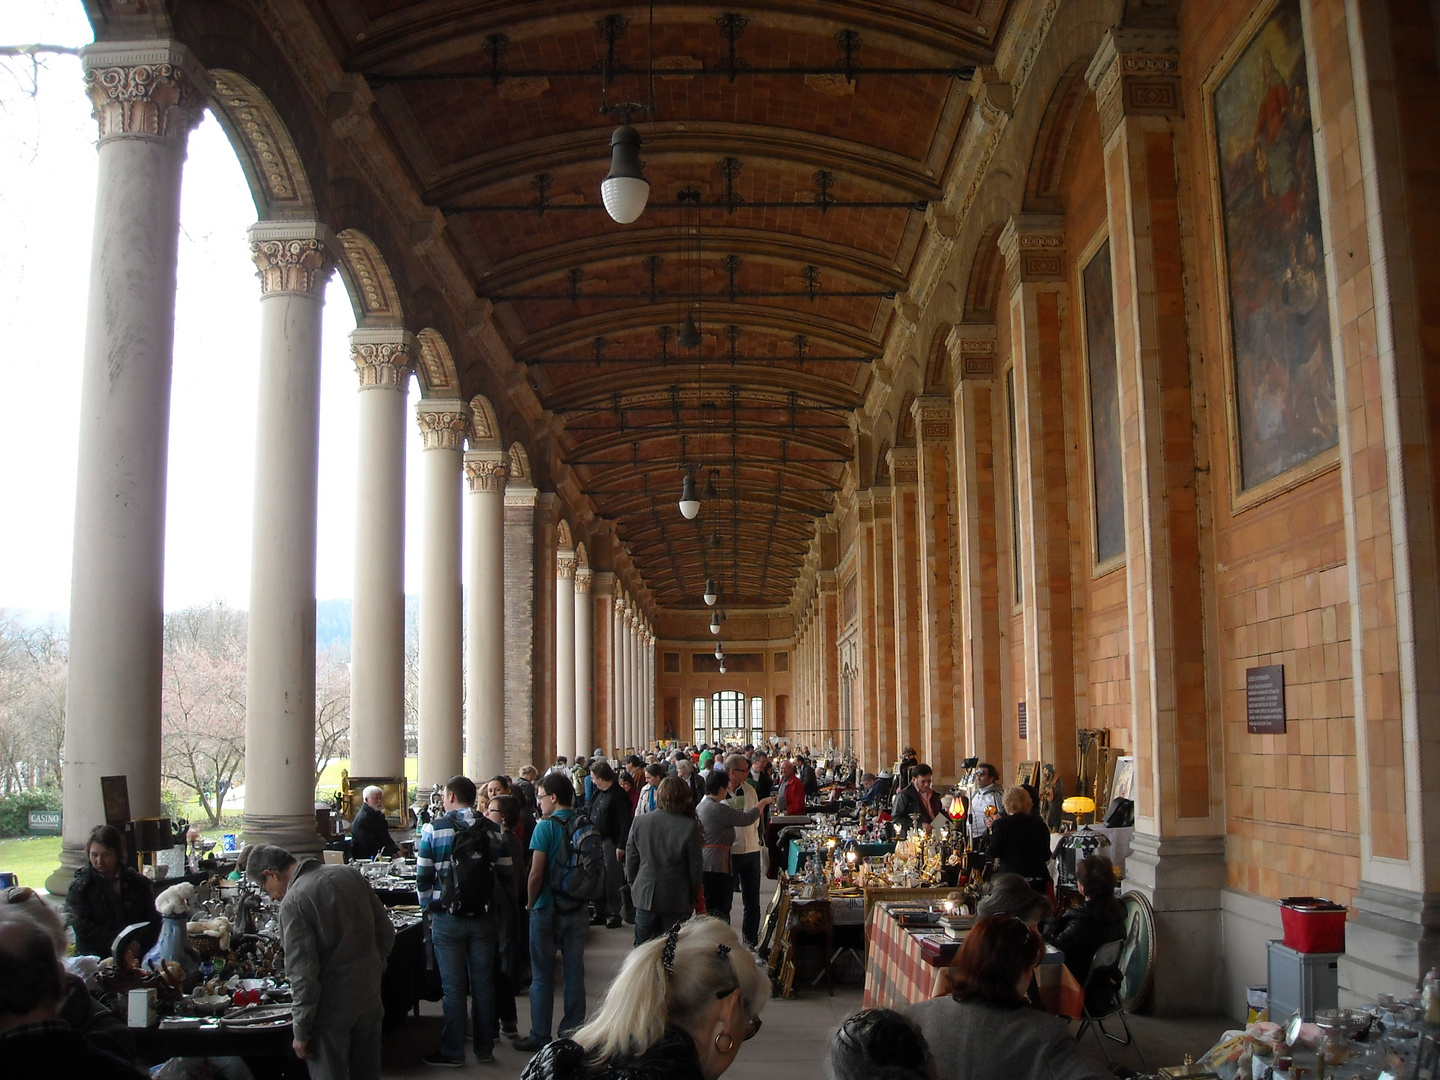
<point x="899" y="973"/>
<point x="266" y="1050"/>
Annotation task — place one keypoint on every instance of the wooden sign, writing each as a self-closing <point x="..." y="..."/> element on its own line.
<point x="1265" y="700"/>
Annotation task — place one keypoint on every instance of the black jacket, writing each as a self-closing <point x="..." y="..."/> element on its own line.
<point x="908" y="802"/>
<point x="674" y="1057"/>
<point x="52" y="1049"/>
<point x="1083" y="929"/>
<point x="98" y="913"/>
<point x="370" y="835"/>
<point x="1020" y="844"/>
<point x="610" y="812"/>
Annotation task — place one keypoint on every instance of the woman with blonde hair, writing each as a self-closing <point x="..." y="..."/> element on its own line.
<point x="678" y="1009"/>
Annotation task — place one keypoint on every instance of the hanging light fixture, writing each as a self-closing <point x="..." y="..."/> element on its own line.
<point x="624" y="191"/>
<point x="715" y="623"/>
<point x="719" y="651"/>
<point x="689" y="504"/>
<point x="689" y="333"/>
<point x="710" y="594"/>
<point x="722" y="667"/>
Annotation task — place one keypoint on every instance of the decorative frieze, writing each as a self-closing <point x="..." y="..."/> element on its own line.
<point x="1135" y="73"/>
<point x="933" y="416"/>
<point x="972" y="351"/>
<point x="903" y="469"/>
<point x="1034" y="248"/>
<point x="291" y="258"/>
<point x="144" y="90"/>
<point x="442" y="424"/>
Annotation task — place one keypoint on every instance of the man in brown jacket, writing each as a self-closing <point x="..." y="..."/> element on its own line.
<point x="336" y="935"/>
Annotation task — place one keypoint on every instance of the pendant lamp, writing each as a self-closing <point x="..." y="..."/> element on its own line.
<point x="624" y="190"/>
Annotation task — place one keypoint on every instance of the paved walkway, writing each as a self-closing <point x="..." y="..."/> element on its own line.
<point x="791" y="1045"/>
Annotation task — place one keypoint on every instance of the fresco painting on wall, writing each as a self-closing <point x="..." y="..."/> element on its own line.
<point x="1109" y="493"/>
<point x="1283" y="381"/>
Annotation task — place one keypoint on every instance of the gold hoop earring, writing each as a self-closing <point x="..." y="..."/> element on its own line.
<point x="729" y="1042"/>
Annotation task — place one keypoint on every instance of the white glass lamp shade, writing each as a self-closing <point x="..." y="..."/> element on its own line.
<point x="715" y="623"/>
<point x="710" y="594"/>
<point x="689" y="504"/>
<point x="624" y="190"/>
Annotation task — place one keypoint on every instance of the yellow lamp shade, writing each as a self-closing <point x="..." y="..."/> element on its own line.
<point x="1078" y="804"/>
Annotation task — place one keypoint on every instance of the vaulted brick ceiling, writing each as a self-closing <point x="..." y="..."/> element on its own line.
<point x="497" y="109"/>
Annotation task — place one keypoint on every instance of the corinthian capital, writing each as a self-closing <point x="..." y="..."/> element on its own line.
<point x="565" y="564"/>
<point x="442" y="424"/>
<point x="291" y="257"/>
<point x="485" y="470"/>
<point x="383" y="357"/>
<point x="144" y="90"/>
<point x="583" y="578"/>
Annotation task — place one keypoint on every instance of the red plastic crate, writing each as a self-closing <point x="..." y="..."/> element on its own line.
<point x="1313" y="924"/>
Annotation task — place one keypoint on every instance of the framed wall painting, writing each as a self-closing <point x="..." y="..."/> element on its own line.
<point x="1123" y="786"/>
<point x="1275" y="290"/>
<point x="1107" y="477"/>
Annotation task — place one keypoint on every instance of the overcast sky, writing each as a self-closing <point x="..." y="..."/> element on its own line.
<point x="47" y="198"/>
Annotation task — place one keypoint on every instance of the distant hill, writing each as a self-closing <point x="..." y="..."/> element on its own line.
<point x="332" y="622"/>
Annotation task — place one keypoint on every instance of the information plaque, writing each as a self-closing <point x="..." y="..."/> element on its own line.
<point x="1265" y="699"/>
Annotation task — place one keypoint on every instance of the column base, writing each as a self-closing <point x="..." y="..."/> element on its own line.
<point x="1390" y="944"/>
<point x="293" y="832"/>
<point x="72" y="858"/>
<point x="1182" y="877"/>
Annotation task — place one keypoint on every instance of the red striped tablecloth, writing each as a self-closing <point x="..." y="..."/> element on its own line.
<point x="897" y="972"/>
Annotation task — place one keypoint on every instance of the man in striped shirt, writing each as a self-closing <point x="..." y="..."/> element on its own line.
<point x="465" y="945"/>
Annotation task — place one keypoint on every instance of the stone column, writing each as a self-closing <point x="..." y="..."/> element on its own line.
<point x="585" y="740"/>
<point x="547" y="518"/>
<point x="1179" y="847"/>
<point x="978" y="721"/>
<point x="442" y="669"/>
<point x="629" y="669"/>
<point x="647" y="669"/>
<point x="565" y="655"/>
<point x="602" y="591"/>
<point x="520" y="624"/>
<point x="486" y="616"/>
<point x="827" y="604"/>
<point x="939" y="575"/>
<point x="905" y="523"/>
<point x="1034" y="250"/>
<point x="622" y="672"/>
<point x="382" y="357"/>
<point x="146" y="97"/>
<point x="881" y="612"/>
<point x="294" y="261"/>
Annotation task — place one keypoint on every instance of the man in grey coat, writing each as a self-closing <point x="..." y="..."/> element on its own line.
<point x="336" y="935"/>
<point x="663" y="861"/>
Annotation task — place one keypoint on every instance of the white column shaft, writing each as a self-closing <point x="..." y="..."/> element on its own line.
<point x="377" y="635"/>
<point x="442" y="667"/>
<point x="484" y="633"/>
<point x="565" y="658"/>
<point x="584" y="665"/>
<point x="118" y="561"/>
<point x="280" y="692"/>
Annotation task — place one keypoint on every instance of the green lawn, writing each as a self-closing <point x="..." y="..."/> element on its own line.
<point x="32" y="858"/>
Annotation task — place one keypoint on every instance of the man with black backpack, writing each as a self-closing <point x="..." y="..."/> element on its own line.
<point x="567" y="872"/>
<point x="458" y="860"/>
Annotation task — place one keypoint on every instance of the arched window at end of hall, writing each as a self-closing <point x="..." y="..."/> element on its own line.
<point x="757" y="719"/>
<point x="729" y="709"/>
<point x="698" y="712"/>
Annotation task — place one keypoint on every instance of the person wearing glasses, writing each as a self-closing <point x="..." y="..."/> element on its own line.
<point x="680" y="1007"/>
<point x="984" y="1029"/>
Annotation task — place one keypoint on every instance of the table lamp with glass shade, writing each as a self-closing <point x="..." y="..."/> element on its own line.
<point x="1084" y="841"/>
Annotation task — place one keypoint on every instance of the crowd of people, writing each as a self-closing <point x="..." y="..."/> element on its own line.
<point x="515" y="872"/>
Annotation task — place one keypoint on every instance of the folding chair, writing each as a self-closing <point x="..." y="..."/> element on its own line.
<point x="1102" y="1000"/>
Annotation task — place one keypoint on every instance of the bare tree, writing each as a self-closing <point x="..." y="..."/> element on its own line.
<point x="332" y="708"/>
<point x="33" y="664"/>
<point x="203" y="703"/>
